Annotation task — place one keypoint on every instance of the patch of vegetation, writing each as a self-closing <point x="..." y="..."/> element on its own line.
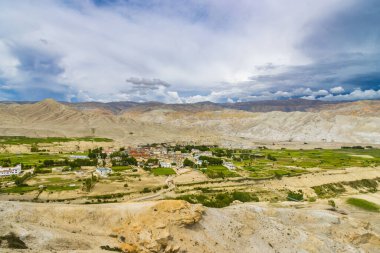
<point x="107" y="247"/>
<point x="163" y="171"/>
<point x="89" y="183"/>
<point x="219" y="171"/>
<point x="369" y="184"/>
<point x="121" y="168"/>
<point x="13" y="241"/>
<point x="334" y="189"/>
<point x="219" y="200"/>
<point x="208" y="160"/>
<point x="332" y="204"/>
<point x="206" y="189"/>
<point x="188" y="163"/>
<point x="295" y="196"/>
<point x="317" y="158"/>
<point x="61" y="187"/>
<point x="146" y="190"/>
<point x="19" y="189"/>
<point x="364" y="204"/>
<point x="18" y="140"/>
<point x="19" y="181"/>
<point x="155" y="189"/>
<point x="329" y="190"/>
<point x="109" y="196"/>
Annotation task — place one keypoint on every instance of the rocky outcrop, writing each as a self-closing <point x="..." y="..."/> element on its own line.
<point x="152" y="230"/>
<point x="177" y="226"/>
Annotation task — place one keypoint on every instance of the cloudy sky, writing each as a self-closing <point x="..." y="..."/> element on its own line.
<point x="183" y="51"/>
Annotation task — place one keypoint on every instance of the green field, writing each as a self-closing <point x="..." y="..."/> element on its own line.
<point x="19" y="189"/>
<point x="219" y="171"/>
<point x="364" y="204"/>
<point x="52" y="188"/>
<point x="271" y="172"/>
<point x="17" y="140"/>
<point x="121" y="168"/>
<point x="31" y="158"/>
<point x="267" y="163"/>
<point x="163" y="171"/>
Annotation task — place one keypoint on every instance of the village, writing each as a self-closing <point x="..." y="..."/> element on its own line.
<point x="195" y="173"/>
<point x="149" y="158"/>
<point x="142" y="168"/>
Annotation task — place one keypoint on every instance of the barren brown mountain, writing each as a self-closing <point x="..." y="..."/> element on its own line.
<point x="227" y="124"/>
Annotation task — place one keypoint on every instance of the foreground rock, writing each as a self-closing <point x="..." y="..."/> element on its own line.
<point x="176" y="226"/>
<point x="153" y="230"/>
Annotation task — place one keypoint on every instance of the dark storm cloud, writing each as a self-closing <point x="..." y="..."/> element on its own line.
<point x="147" y="84"/>
<point x="344" y="49"/>
<point x="354" y="29"/>
<point x="37" y="62"/>
<point x="352" y="71"/>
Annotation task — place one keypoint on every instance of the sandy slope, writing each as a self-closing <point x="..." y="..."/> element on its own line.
<point x="176" y="226"/>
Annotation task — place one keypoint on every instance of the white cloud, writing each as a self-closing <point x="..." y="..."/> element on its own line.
<point x="337" y="90"/>
<point x="99" y="48"/>
<point x="354" y="95"/>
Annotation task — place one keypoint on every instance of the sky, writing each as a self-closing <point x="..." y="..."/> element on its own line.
<point x="187" y="51"/>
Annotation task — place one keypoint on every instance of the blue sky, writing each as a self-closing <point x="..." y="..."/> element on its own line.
<point x="189" y="51"/>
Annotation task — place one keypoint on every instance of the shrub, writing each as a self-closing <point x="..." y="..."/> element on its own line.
<point x="329" y="190"/>
<point x="211" y="160"/>
<point x="107" y="247"/>
<point x="331" y="203"/>
<point x="272" y="158"/>
<point x="19" y="181"/>
<point x="244" y="196"/>
<point x="146" y="190"/>
<point x="14" y="242"/>
<point x="295" y="196"/>
<point x="370" y="184"/>
<point x="188" y="162"/>
<point x="219" y="200"/>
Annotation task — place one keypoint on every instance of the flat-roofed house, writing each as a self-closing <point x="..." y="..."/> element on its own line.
<point x="9" y="171"/>
<point x="165" y="164"/>
<point x="103" y="172"/>
<point x="229" y="165"/>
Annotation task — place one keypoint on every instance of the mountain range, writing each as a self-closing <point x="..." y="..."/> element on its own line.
<point x="228" y="124"/>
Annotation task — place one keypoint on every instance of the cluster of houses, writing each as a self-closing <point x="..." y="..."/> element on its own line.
<point x="171" y="159"/>
<point x="166" y="159"/>
<point x="9" y="171"/>
<point x="103" y="171"/>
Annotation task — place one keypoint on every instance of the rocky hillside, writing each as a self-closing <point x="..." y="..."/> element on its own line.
<point x="132" y="123"/>
<point x="176" y="226"/>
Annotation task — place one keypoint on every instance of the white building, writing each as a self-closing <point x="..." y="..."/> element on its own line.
<point x="8" y="171"/>
<point x="229" y="165"/>
<point x="79" y="157"/>
<point x="103" y="172"/>
<point x="205" y="153"/>
<point x="57" y="169"/>
<point x="165" y="165"/>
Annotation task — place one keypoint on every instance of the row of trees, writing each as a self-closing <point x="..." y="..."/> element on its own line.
<point x="208" y="160"/>
<point x="72" y="163"/>
<point x="96" y="152"/>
